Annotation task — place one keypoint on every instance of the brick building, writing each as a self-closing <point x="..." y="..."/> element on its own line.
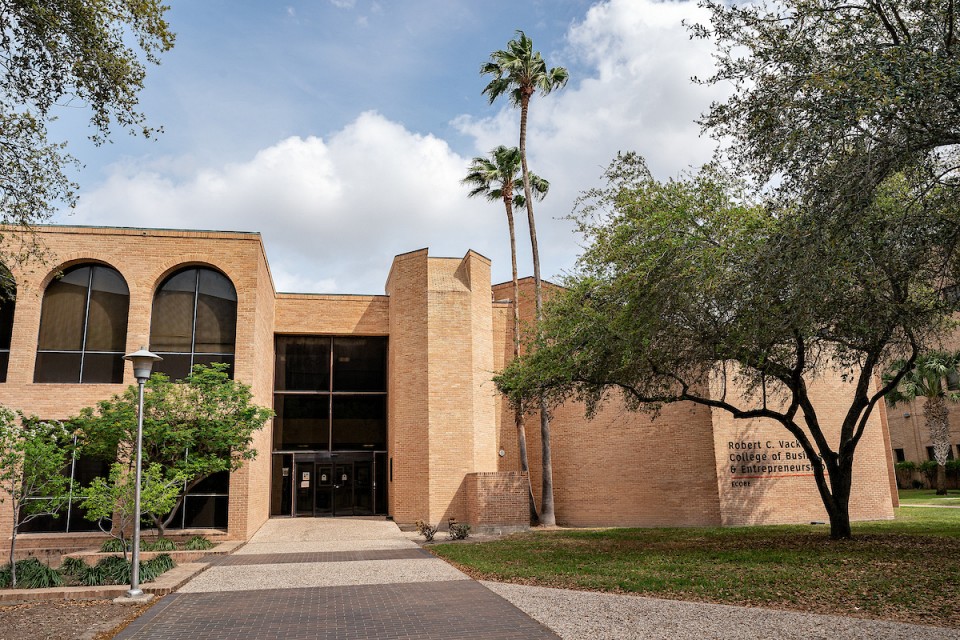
<point x="384" y="403"/>
<point x="909" y="435"/>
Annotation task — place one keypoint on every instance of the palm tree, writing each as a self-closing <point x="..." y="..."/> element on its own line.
<point x="520" y="72"/>
<point x="926" y="380"/>
<point x="495" y="178"/>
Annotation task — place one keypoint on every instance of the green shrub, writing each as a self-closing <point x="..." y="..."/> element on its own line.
<point x="197" y="543"/>
<point x="31" y="574"/>
<point x="459" y="531"/>
<point x="160" y="544"/>
<point x="906" y="465"/>
<point x="94" y="576"/>
<point x="113" y="570"/>
<point x="158" y="566"/>
<point x="428" y="532"/>
<point x="74" y="567"/>
<point x="116" y="570"/>
<point x="114" y="545"/>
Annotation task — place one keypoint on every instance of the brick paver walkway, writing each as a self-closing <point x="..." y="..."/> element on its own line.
<point x="353" y="592"/>
<point x="456" y="609"/>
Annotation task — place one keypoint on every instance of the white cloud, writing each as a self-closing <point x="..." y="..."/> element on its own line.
<point x="333" y="212"/>
<point x="343" y="4"/>
<point x="638" y="96"/>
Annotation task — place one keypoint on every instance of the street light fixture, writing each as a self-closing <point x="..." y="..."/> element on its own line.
<point x="142" y="364"/>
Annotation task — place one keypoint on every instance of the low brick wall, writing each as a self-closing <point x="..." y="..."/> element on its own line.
<point x="497" y="499"/>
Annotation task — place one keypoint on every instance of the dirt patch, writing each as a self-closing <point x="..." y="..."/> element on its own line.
<point x="66" y="620"/>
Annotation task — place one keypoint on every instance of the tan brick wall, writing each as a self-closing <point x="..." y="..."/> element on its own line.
<point x="442" y="419"/>
<point x="791" y="496"/>
<point x="624" y="468"/>
<point x="445" y="421"/>
<point x="497" y="498"/>
<point x="144" y="257"/>
<point x="333" y="314"/>
<point x="408" y="441"/>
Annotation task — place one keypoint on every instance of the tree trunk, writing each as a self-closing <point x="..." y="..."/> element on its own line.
<point x="547" y="514"/>
<point x="936" y="416"/>
<point x="841" y="481"/>
<point x="518" y="411"/>
<point x="13" y="548"/>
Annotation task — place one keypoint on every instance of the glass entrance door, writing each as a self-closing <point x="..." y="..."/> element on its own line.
<point x="304" y="476"/>
<point x="323" y="501"/>
<point x="319" y="484"/>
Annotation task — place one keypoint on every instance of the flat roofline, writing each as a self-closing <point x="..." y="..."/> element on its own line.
<point x="121" y="228"/>
<point x="355" y="296"/>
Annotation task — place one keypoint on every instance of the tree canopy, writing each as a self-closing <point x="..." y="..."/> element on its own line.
<point x="834" y="98"/>
<point x="71" y="53"/>
<point x="33" y="455"/>
<point x="694" y="289"/>
<point x="192" y="429"/>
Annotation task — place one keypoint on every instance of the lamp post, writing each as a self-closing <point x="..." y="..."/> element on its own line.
<point x="142" y="364"/>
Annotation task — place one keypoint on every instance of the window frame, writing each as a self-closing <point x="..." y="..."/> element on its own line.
<point x="83" y="352"/>
<point x="193" y="353"/>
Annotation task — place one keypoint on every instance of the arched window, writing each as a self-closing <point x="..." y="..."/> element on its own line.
<point x="194" y="321"/>
<point x="8" y="298"/>
<point x="83" y="326"/>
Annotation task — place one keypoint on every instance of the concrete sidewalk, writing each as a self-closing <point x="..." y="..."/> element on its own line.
<point x="333" y="578"/>
<point x="364" y="578"/>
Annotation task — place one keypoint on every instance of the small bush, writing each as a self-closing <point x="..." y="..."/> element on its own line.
<point x="114" y="545"/>
<point x="428" y="532"/>
<point x="116" y="570"/>
<point x="459" y="531"/>
<point x="197" y="543"/>
<point x="160" y="544"/>
<point x="158" y="566"/>
<point x="73" y="567"/>
<point x="31" y="574"/>
<point x="113" y="570"/>
<point x="421" y="525"/>
<point x="906" y="465"/>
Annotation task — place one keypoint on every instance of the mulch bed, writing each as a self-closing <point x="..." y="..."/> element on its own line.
<point x="66" y="620"/>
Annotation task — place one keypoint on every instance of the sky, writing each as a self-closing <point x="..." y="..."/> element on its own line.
<point x="341" y="129"/>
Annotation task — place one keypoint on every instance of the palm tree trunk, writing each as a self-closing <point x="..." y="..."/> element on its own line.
<point x="937" y="419"/>
<point x="518" y="411"/>
<point x="547" y="513"/>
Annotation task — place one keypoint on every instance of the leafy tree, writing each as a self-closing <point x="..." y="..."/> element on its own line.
<point x="58" y="54"/>
<point x="495" y="178"/>
<point x="927" y="380"/>
<point x="33" y="455"/>
<point x="521" y="73"/>
<point x="191" y="429"/>
<point x="111" y="501"/>
<point x="693" y="290"/>
<point x="833" y="99"/>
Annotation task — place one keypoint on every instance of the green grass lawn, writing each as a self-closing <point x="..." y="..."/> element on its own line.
<point x="929" y="496"/>
<point x="907" y="569"/>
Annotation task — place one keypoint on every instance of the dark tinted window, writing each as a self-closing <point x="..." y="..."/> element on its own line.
<point x="359" y="364"/>
<point x="303" y="363"/>
<point x="7" y="304"/>
<point x="194" y="321"/>
<point x="302" y="421"/>
<point x="359" y="422"/>
<point x="83" y="327"/>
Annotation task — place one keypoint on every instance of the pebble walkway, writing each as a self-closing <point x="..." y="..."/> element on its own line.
<point x="346" y="579"/>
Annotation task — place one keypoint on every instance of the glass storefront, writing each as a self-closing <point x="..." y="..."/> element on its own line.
<point x="330" y="429"/>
